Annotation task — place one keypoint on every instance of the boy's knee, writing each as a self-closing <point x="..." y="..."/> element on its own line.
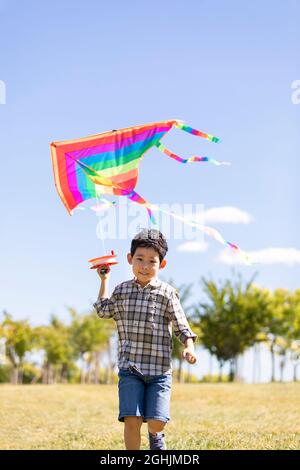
<point x="155" y="426"/>
<point x="133" y="422"/>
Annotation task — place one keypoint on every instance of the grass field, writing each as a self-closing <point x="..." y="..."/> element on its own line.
<point x="204" y="416"/>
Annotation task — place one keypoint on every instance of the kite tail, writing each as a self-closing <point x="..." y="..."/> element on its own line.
<point x="190" y="130"/>
<point x="164" y="150"/>
<point x="134" y="196"/>
<point x="211" y="232"/>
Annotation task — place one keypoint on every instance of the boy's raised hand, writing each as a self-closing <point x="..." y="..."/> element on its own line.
<point x="104" y="272"/>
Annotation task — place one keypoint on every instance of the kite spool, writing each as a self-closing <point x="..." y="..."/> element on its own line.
<point x="104" y="261"/>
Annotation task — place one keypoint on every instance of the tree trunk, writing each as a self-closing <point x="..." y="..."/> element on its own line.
<point x="109" y="365"/>
<point x="82" y="372"/>
<point x="179" y="373"/>
<point x="273" y="362"/>
<point x="189" y="375"/>
<point x="97" y="364"/>
<point x="46" y="373"/>
<point x="282" y="365"/>
<point x="210" y="372"/>
<point x="239" y="368"/>
<point x="258" y="363"/>
<point x="254" y="363"/>
<point x="55" y="374"/>
<point x="232" y="370"/>
<point x="64" y="374"/>
<point x="20" y="376"/>
<point x="295" y="372"/>
<point x="89" y="371"/>
<point x="221" y="363"/>
<point x="50" y="374"/>
<point x="14" y="375"/>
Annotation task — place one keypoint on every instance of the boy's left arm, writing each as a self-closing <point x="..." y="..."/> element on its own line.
<point x="182" y="329"/>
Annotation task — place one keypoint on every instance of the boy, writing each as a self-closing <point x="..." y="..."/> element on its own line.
<point x="144" y="309"/>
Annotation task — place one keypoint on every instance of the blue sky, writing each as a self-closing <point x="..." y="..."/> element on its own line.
<point x="72" y="69"/>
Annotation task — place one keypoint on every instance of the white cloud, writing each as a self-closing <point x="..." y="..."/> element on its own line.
<point x="193" y="247"/>
<point x="287" y="256"/>
<point x="225" y="214"/>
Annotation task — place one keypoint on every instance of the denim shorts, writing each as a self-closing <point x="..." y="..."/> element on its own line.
<point x="144" y="396"/>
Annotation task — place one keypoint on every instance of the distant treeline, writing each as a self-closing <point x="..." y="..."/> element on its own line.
<point x="230" y="318"/>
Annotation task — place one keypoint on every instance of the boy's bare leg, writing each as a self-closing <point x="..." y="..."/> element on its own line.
<point x="155" y="426"/>
<point x="156" y="436"/>
<point x="132" y="432"/>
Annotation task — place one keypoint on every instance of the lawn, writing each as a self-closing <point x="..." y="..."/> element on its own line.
<point x="204" y="416"/>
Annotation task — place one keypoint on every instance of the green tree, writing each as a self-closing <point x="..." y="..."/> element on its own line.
<point x="279" y="327"/>
<point x="90" y="337"/>
<point x="294" y="332"/>
<point x="18" y="341"/>
<point x="55" y="341"/>
<point x="231" y="319"/>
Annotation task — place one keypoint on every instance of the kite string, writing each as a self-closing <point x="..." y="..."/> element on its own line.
<point x="100" y="227"/>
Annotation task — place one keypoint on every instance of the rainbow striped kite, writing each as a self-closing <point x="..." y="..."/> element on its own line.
<point x="108" y="163"/>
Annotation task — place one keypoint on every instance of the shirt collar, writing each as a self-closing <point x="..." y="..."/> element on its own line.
<point x="155" y="282"/>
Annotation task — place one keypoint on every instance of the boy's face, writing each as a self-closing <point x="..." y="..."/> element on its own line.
<point x="145" y="264"/>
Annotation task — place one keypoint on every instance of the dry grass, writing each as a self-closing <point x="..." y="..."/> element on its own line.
<point x="204" y="416"/>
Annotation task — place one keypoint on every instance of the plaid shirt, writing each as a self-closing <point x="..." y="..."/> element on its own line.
<point x="144" y="318"/>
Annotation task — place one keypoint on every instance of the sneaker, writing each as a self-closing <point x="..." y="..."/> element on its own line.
<point x="157" y="441"/>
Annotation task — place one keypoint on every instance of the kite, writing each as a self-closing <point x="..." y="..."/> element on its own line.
<point x="108" y="163"/>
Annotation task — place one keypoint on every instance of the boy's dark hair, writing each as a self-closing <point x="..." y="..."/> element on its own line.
<point x="150" y="238"/>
